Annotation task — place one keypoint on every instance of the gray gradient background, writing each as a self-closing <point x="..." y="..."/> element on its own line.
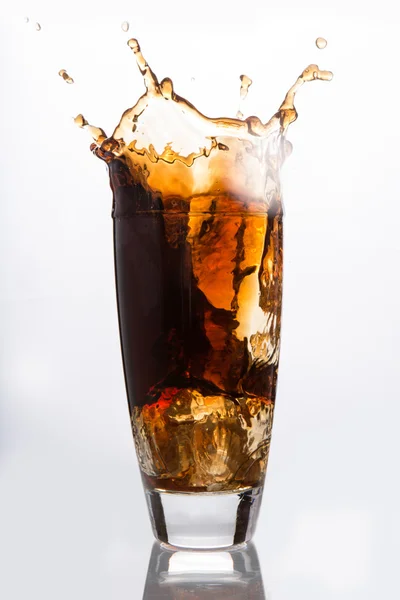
<point x="73" y="521"/>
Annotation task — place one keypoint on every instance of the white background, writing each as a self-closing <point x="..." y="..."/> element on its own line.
<point x="73" y="522"/>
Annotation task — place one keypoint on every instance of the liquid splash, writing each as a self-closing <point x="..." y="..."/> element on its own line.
<point x="26" y="19"/>
<point x="125" y="140"/>
<point x="125" y="26"/>
<point x="67" y="78"/>
<point x="97" y="134"/>
<point x="38" y="27"/>
<point x="198" y="240"/>
<point x="321" y="43"/>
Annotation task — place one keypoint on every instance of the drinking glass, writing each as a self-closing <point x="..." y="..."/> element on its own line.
<point x="198" y="262"/>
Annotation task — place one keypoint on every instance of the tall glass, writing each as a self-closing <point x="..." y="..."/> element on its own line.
<point x="198" y="261"/>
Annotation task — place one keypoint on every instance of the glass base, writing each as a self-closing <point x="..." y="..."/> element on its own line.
<point x="214" y="575"/>
<point x="204" y="520"/>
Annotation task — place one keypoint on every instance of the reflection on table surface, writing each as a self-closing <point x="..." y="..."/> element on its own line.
<point x="190" y="575"/>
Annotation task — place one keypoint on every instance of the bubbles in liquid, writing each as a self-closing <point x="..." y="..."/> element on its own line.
<point x="321" y="43"/>
<point x="38" y="27"/>
<point x="63" y="73"/>
<point x="26" y="19"/>
<point x="125" y="26"/>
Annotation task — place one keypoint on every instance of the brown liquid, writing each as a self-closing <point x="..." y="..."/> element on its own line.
<point x="198" y="256"/>
<point x="200" y="377"/>
<point x="67" y="78"/>
<point x="97" y="134"/>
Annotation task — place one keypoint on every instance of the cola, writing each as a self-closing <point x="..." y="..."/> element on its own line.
<point x="198" y="246"/>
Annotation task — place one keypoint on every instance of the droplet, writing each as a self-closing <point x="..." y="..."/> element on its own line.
<point x="192" y="79"/>
<point x="321" y="43"/>
<point x="63" y="73"/>
<point x="244" y="86"/>
<point x="125" y="26"/>
<point x="38" y="27"/>
<point x="26" y="19"/>
<point x="245" y="83"/>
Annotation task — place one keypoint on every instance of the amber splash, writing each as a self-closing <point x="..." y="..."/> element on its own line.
<point x="198" y="256"/>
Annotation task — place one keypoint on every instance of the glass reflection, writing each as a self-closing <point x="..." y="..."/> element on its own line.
<point x="174" y="575"/>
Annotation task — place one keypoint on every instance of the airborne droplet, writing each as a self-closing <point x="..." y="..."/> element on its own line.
<point x="38" y="27"/>
<point x="245" y="83"/>
<point x="26" y="19"/>
<point x="125" y="26"/>
<point x="321" y="43"/>
<point x="63" y="73"/>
